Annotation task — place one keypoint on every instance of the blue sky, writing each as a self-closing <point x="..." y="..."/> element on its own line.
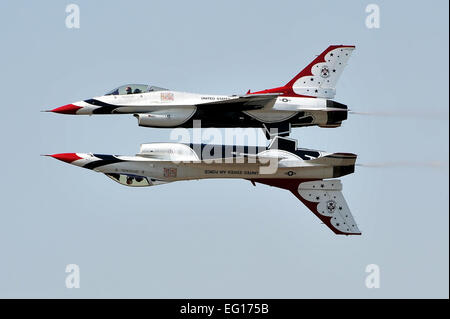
<point x="221" y="238"/>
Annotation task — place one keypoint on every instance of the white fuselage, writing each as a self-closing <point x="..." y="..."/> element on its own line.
<point x="167" y="162"/>
<point x="172" y="108"/>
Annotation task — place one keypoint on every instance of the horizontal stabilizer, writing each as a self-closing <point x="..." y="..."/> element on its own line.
<point x="336" y="159"/>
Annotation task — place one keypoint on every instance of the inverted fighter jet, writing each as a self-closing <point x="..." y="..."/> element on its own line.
<point x="309" y="174"/>
<point x="306" y="100"/>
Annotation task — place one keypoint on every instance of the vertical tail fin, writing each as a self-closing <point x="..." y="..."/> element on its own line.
<point x="319" y="78"/>
<point x="324" y="198"/>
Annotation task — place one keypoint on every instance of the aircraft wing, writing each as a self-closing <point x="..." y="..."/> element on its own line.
<point x="241" y="103"/>
<point x="324" y="198"/>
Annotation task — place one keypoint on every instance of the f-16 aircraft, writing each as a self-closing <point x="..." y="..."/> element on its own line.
<point x="306" y="100"/>
<point x="309" y="174"/>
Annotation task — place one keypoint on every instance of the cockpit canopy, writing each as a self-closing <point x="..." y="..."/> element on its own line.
<point x="134" y="89"/>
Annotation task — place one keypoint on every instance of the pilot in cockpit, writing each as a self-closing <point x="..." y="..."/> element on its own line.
<point x="128" y="90"/>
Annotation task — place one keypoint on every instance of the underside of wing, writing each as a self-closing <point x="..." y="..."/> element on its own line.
<point x="324" y="198"/>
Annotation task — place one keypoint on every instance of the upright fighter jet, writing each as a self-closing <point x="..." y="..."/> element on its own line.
<point x="308" y="174"/>
<point x="306" y="100"/>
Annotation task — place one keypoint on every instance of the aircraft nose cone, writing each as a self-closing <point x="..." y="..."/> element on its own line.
<point x="66" y="157"/>
<point x="67" y="109"/>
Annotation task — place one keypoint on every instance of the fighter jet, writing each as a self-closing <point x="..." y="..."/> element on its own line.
<point x="309" y="174"/>
<point x="306" y="100"/>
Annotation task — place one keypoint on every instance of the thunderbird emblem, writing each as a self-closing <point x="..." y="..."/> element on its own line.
<point x="325" y="72"/>
<point x="331" y="206"/>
